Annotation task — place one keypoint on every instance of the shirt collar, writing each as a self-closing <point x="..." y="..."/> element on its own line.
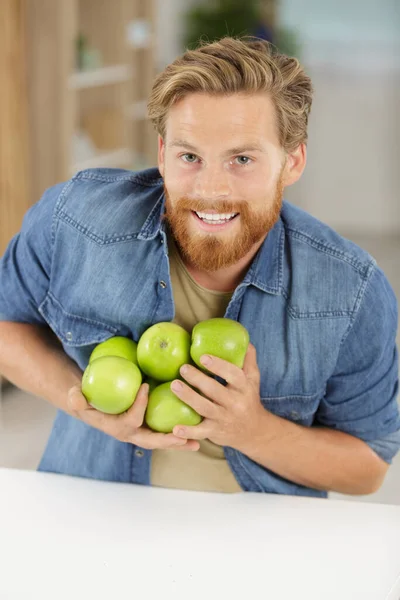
<point x="266" y="270"/>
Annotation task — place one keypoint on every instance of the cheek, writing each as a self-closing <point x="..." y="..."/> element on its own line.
<point x="178" y="186"/>
<point x="259" y="190"/>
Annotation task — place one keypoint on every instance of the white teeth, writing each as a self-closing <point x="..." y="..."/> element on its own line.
<point x="218" y="217"/>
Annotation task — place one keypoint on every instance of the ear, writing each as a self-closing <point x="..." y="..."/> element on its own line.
<point x="295" y="165"/>
<point x="161" y="155"/>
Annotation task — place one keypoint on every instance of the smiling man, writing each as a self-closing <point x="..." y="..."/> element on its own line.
<point x="244" y="182"/>
<point x="208" y="234"/>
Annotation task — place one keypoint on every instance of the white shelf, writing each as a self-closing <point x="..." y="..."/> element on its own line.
<point x="97" y="77"/>
<point x="122" y="157"/>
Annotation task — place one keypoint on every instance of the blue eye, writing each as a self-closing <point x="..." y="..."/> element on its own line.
<point x="184" y="156"/>
<point x="246" y="158"/>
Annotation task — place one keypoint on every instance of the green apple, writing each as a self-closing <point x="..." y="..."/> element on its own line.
<point x="224" y="338"/>
<point x="116" y="346"/>
<point x="165" y="410"/>
<point x="110" y="384"/>
<point x="162" y="349"/>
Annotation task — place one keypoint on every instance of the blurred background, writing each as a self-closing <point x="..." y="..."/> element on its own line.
<point x="74" y="79"/>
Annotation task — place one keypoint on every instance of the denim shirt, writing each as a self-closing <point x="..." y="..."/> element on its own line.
<point x="91" y="262"/>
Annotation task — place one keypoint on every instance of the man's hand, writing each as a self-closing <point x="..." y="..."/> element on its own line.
<point x="126" y="427"/>
<point x="315" y="457"/>
<point x="232" y="413"/>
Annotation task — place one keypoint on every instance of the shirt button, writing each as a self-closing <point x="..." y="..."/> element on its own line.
<point x="294" y="414"/>
<point x="139" y="453"/>
<point x="163" y="284"/>
<point x="68" y="335"/>
<point x="162" y="240"/>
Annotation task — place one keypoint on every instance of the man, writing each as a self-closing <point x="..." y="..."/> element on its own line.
<point x="112" y="252"/>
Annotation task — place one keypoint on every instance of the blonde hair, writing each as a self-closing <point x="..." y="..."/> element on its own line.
<point x="238" y="65"/>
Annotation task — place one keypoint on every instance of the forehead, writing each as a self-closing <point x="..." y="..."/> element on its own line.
<point x="202" y="117"/>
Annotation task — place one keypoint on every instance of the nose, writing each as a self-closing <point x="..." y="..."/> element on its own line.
<point x="212" y="182"/>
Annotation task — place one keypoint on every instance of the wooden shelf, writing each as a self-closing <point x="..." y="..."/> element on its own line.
<point x="114" y="158"/>
<point x="98" y="77"/>
<point x="105" y="106"/>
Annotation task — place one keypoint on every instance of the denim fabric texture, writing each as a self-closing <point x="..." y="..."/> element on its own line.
<point x="91" y="262"/>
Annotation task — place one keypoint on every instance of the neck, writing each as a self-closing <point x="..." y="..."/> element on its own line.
<point x="223" y="280"/>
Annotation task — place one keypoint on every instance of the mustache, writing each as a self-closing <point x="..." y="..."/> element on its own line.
<point x="223" y="206"/>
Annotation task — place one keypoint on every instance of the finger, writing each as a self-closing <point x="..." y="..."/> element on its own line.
<point x="196" y="432"/>
<point x="190" y="446"/>
<point x="136" y="412"/>
<point x="119" y="426"/>
<point x="146" y="438"/>
<point x="208" y="386"/>
<point x="232" y="374"/>
<point x="76" y="401"/>
<point x="201" y="405"/>
<point x="250" y="366"/>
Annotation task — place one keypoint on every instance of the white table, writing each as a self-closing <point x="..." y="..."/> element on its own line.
<point x="68" y="538"/>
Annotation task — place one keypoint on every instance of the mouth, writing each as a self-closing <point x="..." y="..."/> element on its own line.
<point x="214" y="222"/>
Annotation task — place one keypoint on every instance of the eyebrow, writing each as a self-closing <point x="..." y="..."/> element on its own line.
<point x="254" y="147"/>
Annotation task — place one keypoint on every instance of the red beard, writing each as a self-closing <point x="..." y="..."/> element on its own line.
<point x="211" y="252"/>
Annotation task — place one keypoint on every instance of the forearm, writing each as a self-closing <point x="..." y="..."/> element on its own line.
<point x="316" y="457"/>
<point x="32" y="360"/>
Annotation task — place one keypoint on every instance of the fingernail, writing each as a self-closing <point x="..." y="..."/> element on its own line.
<point x="72" y="403"/>
<point x="180" y="432"/>
<point x="206" y="360"/>
<point x="176" y="386"/>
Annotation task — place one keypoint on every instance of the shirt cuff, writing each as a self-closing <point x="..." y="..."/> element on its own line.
<point x="386" y="447"/>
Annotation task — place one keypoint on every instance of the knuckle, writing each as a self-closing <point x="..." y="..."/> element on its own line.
<point x="136" y="421"/>
<point x="240" y="379"/>
<point x="123" y="434"/>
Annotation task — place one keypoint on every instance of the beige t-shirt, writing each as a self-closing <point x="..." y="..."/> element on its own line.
<point x="206" y="469"/>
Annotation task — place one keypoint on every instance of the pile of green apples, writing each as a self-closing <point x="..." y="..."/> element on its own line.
<point x="118" y="366"/>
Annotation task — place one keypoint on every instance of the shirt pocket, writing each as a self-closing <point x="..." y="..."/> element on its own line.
<point x="300" y="409"/>
<point x="73" y="329"/>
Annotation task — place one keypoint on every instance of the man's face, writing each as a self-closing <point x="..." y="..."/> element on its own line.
<point x="224" y="174"/>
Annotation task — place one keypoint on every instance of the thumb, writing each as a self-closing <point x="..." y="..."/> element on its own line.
<point x="76" y="401"/>
<point x="141" y="399"/>
<point x="139" y="406"/>
<point x="250" y="366"/>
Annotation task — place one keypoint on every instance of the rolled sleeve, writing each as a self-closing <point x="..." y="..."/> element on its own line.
<point x="26" y="264"/>
<point x="361" y="394"/>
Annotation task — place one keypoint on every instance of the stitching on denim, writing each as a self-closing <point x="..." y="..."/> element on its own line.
<point x="281" y="257"/>
<point x="280" y="252"/>
<point x="54" y="223"/>
<point x="322" y="314"/>
<point x="240" y="459"/>
<point x="358" y="301"/>
<point x="101" y="241"/>
<point x="111" y="238"/>
<point x="248" y="475"/>
<point x="153" y="217"/>
<point x="88" y="174"/>
<point x="296" y="396"/>
<point x="57" y="207"/>
<point x="332" y="250"/>
<point x="79" y="318"/>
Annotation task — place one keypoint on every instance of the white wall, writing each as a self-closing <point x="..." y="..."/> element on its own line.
<point x="351" y="50"/>
<point x="375" y="20"/>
